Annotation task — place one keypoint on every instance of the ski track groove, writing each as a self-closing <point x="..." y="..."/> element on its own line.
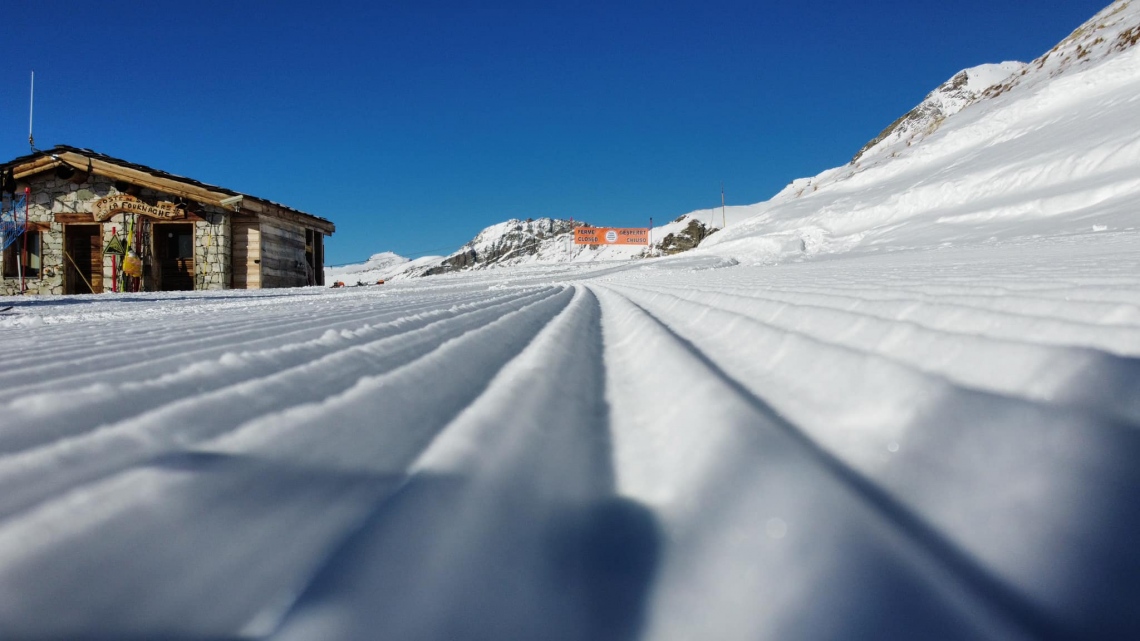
<point x="802" y="395"/>
<point x="1016" y="305"/>
<point x="40" y="418"/>
<point x="543" y="471"/>
<point x="964" y="320"/>
<point x="494" y="344"/>
<point x="84" y="351"/>
<point x="1018" y="365"/>
<point x="178" y="425"/>
<point x="103" y="361"/>
<point x="974" y="589"/>
<point x="279" y="335"/>
<point x="977" y="285"/>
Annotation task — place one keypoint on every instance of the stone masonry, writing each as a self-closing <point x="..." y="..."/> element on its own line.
<point x="51" y="195"/>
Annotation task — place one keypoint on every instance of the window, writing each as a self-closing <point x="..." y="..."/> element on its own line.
<point x="26" y="250"/>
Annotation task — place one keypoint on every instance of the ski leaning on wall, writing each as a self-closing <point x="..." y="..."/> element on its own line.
<point x="11" y="224"/>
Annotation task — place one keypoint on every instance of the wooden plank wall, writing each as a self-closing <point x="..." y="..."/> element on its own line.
<point x="283" y="261"/>
<point x="319" y="257"/>
<point x="246" y="261"/>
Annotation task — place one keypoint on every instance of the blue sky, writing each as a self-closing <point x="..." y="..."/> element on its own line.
<point x="413" y="125"/>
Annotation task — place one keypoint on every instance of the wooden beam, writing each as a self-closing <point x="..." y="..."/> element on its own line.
<point x="144" y="179"/>
<point x="141" y="178"/>
<point x="36" y="166"/>
<point x="269" y="209"/>
<point x="63" y="217"/>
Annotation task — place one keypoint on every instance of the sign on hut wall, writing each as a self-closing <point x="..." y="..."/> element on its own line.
<point x="108" y="206"/>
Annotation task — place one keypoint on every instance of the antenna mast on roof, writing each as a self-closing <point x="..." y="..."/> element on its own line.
<point x="31" y="108"/>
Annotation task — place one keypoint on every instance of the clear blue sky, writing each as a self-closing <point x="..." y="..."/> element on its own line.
<point x="413" y="125"/>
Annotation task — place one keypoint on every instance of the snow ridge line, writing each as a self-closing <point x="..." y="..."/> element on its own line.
<point x="40" y="418"/>
<point x="1020" y="369"/>
<point x="1087" y="313"/>
<point x="965" y="320"/>
<point x="195" y="311"/>
<point x="37" y="474"/>
<point x="544" y="418"/>
<point x="37" y="418"/>
<point x="304" y="439"/>
<point x="989" y="592"/>
<point x="85" y="363"/>
<point x="956" y="444"/>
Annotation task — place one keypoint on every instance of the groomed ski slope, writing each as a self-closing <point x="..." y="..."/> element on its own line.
<point x="919" y="444"/>
<point x="900" y="400"/>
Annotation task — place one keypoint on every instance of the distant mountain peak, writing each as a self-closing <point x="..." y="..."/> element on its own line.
<point x="510" y="242"/>
<point x="1112" y="31"/>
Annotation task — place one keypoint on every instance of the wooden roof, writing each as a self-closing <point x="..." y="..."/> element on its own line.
<point x="143" y="176"/>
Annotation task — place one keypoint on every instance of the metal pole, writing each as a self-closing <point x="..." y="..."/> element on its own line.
<point x="31" y="108"/>
<point x="114" y="265"/>
<point x="22" y="255"/>
<point x="723" y="216"/>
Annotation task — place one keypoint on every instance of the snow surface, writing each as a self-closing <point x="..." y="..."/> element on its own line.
<point x="899" y="401"/>
<point x="917" y="444"/>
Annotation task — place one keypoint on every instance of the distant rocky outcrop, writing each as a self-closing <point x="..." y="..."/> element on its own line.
<point x="513" y="239"/>
<point x="686" y="239"/>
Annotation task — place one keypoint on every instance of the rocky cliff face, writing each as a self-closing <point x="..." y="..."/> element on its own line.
<point x="507" y="243"/>
<point x="952" y="96"/>
<point x="1115" y="29"/>
<point x="1111" y="31"/>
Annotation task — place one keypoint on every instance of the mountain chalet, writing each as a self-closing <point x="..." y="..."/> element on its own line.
<point x="78" y="222"/>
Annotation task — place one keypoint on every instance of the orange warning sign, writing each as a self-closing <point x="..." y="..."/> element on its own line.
<point x="611" y="236"/>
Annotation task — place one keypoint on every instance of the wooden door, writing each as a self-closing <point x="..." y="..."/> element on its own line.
<point x="174" y="248"/>
<point x="83" y="264"/>
<point x="245" y="263"/>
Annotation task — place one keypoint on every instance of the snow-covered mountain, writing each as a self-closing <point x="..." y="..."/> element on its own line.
<point x="377" y="267"/>
<point x="543" y="241"/>
<point x="1052" y="148"/>
<point x="534" y="241"/>
<point x="1066" y="120"/>
<point x="952" y="96"/>
<point x="512" y="242"/>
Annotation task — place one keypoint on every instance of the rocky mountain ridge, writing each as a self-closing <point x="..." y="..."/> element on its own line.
<point x="949" y="98"/>
<point x="508" y="242"/>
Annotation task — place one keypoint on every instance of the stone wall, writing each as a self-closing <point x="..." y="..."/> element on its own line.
<point x="51" y="195"/>
<point x="212" y="242"/>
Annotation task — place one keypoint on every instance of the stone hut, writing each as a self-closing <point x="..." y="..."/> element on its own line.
<point x="97" y="224"/>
